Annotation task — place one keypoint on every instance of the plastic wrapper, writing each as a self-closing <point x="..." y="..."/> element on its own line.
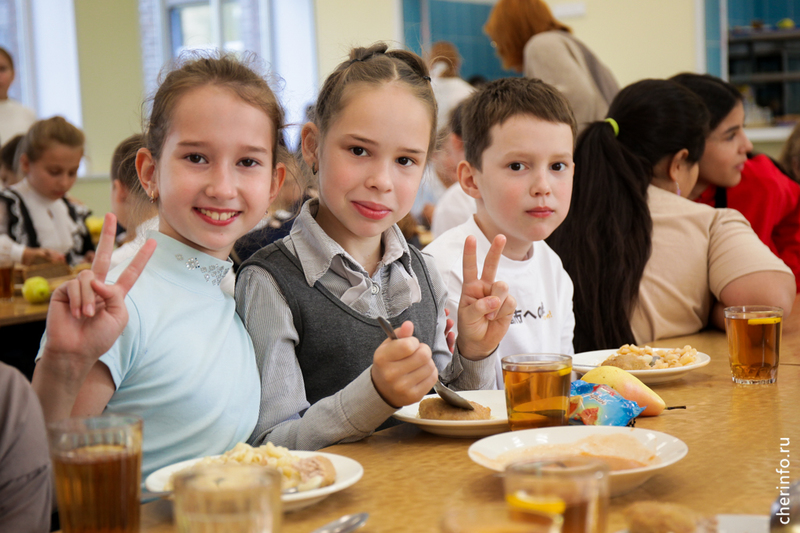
<point x="599" y="405"/>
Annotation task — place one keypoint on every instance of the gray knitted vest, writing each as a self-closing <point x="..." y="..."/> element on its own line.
<point x="337" y="343"/>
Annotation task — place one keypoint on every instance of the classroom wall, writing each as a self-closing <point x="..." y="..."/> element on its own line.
<point x="342" y="24"/>
<point x="638" y="38"/>
<point x="110" y="66"/>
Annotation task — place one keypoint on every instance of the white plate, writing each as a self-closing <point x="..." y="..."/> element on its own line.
<point x="348" y="472"/>
<point x="583" y="362"/>
<point x="667" y="448"/>
<point x="493" y="399"/>
<point x="738" y="523"/>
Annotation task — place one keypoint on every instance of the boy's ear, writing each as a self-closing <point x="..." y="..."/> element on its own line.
<point x="466" y="177"/>
<point x="679" y="160"/>
<point x="309" y="137"/>
<point x="146" y="169"/>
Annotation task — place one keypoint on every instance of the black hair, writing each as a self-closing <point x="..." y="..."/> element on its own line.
<point x="720" y="97"/>
<point x="605" y="241"/>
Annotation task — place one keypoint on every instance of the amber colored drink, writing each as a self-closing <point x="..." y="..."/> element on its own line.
<point x="576" y="488"/>
<point x="98" y="489"/>
<point x="754" y="343"/>
<point x="537" y="390"/>
<point x="6" y="281"/>
<point x="98" y="471"/>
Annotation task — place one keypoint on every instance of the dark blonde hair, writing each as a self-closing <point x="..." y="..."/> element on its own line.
<point x="123" y="164"/>
<point x="445" y="52"/>
<point x="513" y="22"/>
<point x="45" y="133"/>
<point x="375" y="65"/>
<point x="497" y="101"/>
<point x="223" y="70"/>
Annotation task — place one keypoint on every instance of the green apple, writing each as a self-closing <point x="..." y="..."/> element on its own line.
<point x="36" y="290"/>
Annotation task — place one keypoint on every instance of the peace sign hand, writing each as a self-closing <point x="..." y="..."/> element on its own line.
<point x="485" y="309"/>
<point x="86" y="316"/>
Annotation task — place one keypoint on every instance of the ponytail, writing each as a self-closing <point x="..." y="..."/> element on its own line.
<point x="606" y="239"/>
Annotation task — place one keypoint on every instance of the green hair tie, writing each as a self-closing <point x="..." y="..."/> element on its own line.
<point x="613" y="125"/>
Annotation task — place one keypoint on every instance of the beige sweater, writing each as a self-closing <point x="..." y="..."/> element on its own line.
<point x="557" y="58"/>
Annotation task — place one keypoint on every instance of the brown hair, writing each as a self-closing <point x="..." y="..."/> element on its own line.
<point x="513" y="22"/>
<point x="7" y="55"/>
<point x="502" y="99"/>
<point x="445" y="52"/>
<point x="8" y="153"/>
<point x="123" y="164"/>
<point x="790" y="155"/>
<point x="375" y="65"/>
<point x="44" y="133"/>
<point x="223" y="70"/>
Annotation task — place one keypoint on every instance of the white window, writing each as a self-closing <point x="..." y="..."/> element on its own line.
<point x="281" y="32"/>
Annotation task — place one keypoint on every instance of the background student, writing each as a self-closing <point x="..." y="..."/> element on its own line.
<point x="129" y="201"/>
<point x="311" y="301"/>
<point x="35" y="213"/>
<point x="646" y="262"/>
<point x="15" y="118"/>
<point x="9" y="162"/>
<point x="519" y="135"/>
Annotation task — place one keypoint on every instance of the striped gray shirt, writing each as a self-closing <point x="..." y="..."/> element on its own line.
<point x="286" y="418"/>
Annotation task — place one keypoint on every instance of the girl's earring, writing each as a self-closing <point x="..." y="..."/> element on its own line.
<point x="314" y="168"/>
<point x="153" y="197"/>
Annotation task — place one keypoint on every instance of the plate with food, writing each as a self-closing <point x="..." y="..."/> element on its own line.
<point x="308" y="477"/>
<point x="650" y="365"/>
<point x="634" y="455"/>
<point x="434" y="416"/>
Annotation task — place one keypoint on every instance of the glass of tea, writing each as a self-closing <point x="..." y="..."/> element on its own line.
<point x="6" y="279"/>
<point x="754" y="342"/>
<point x="228" y="497"/>
<point x="537" y="389"/>
<point x="498" y="518"/>
<point x="98" y="472"/>
<point x="576" y="488"/>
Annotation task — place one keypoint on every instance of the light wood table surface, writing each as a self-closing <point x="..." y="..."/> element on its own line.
<point x="19" y="311"/>
<point x="733" y="433"/>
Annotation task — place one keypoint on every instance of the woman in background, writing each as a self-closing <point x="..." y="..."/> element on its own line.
<point x="529" y="40"/>
<point x="15" y="118"/>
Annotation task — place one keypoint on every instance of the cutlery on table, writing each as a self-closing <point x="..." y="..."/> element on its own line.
<point x="345" y="524"/>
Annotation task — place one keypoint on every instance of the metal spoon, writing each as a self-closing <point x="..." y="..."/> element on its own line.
<point x="446" y="394"/>
<point x="349" y="522"/>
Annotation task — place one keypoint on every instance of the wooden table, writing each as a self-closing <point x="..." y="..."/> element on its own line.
<point x="19" y="311"/>
<point x="733" y="433"/>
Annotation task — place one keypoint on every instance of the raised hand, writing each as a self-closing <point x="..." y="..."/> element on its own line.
<point x="485" y="309"/>
<point x="403" y="370"/>
<point x="86" y="316"/>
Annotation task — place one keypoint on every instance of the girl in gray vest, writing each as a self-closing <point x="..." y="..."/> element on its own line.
<point x="311" y="301"/>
